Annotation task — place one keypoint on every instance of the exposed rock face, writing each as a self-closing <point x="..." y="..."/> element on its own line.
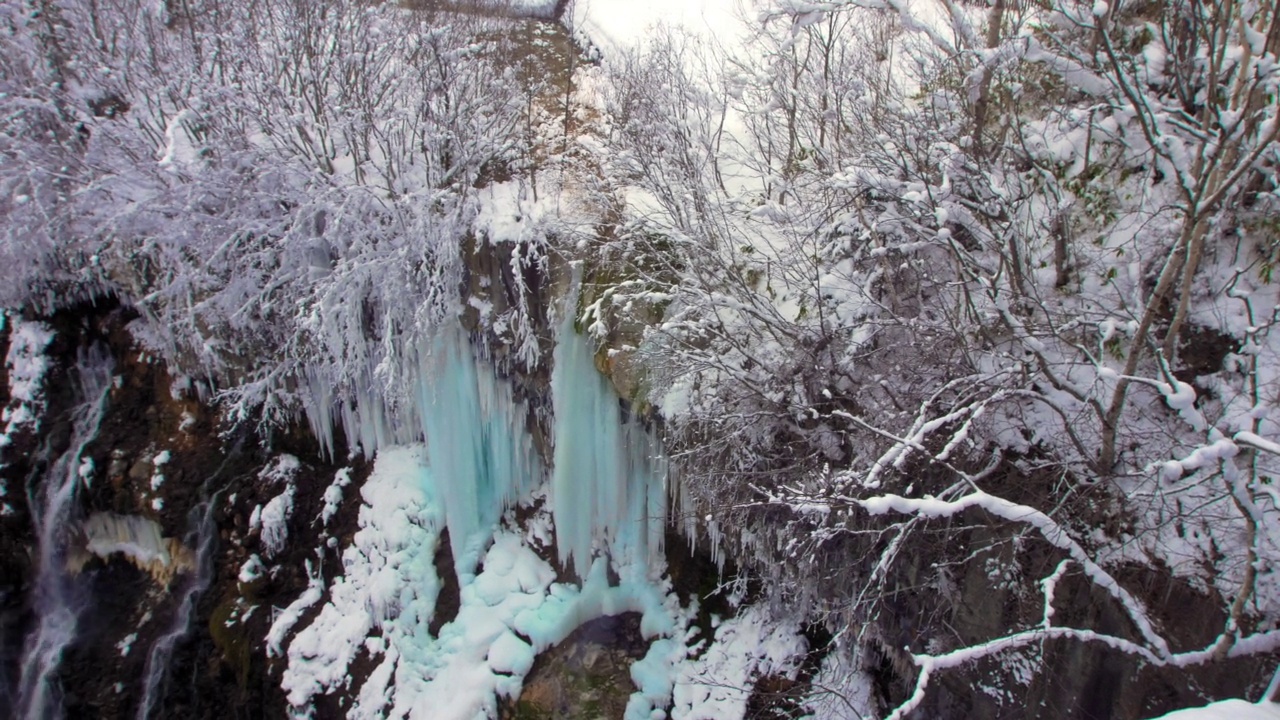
<point x="1059" y="678"/>
<point x="134" y="549"/>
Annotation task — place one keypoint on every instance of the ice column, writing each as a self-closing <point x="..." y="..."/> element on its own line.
<point x="478" y="447"/>
<point x="608" y="483"/>
<point x="479" y="451"/>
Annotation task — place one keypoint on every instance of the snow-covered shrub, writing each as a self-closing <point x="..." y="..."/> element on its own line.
<point x="275" y="187"/>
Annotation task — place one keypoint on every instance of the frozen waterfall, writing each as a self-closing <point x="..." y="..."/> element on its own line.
<point x="607" y="487"/>
<point x="481" y="454"/>
<point x="608" y="484"/>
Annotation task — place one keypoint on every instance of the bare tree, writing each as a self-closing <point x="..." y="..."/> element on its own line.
<point x="898" y="293"/>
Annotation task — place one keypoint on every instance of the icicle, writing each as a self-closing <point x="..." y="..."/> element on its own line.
<point x="138" y="539"/>
<point x="609" y="478"/>
<point x="610" y="474"/>
<point x="318" y="405"/>
<point x="480" y="453"/>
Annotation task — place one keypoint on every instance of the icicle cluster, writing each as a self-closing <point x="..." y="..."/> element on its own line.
<point x="481" y="454"/>
<point x="138" y="539"/>
<point x="608" y="488"/>
<point x="609" y="481"/>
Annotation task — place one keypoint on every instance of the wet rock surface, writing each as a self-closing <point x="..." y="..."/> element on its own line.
<point x="586" y="677"/>
<point x="158" y="453"/>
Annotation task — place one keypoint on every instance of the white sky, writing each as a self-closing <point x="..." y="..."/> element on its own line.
<point x="621" y="24"/>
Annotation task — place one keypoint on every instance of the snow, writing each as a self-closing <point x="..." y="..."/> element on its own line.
<point x="1227" y="710"/>
<point x="1205" y="456"/>
<point x="511" y="610"/>
<point x="180" y="151"/>
<point x="275" y="522"/>
<point x="157" y="475"/>
<point x="654" y="676"/>
<point x="283" y="470"/>
<point x="607" y="491"/>
<point x="26" y="362"/>
<point x="272" y="519"/>
<point x="1181" y="397"/>
<point x="747" y="646"/>
<point x="508" y="214"/>
<point x="1260" y="443"/>
<point x="387" y="581"/>
<point x="511" y="655"/>
<point x="333" y="495"/>
<point x="842" y="688"/>
<point x="288" y="617"/>
<point x="252" y="569"/>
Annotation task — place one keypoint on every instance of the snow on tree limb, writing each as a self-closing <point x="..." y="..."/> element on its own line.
<point x="1050" y="530"/>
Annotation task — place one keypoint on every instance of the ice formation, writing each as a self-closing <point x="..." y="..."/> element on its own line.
<point x="609" y="477"/>
<point x="478" y="447"/>
<point x="482" y="455"/>
<point x="454" y="452"/>
<point x="510" y="610"/>
<point x="608" y="484"/>
<point x="138" y="539"/>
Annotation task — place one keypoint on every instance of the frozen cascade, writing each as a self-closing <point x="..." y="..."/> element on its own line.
<point x="481" y="454"/>
<point x="609" y="480"/>
<point x="606" y="503"/>
<point x="53" y="503"/>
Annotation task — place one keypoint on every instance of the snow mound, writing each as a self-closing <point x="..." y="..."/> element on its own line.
<point x="1228" y="710"/>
